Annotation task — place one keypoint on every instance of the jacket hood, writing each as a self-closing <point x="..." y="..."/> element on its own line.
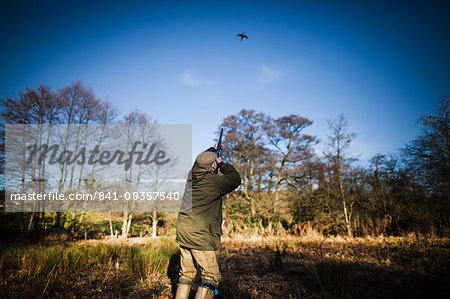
<point x="198" y="173"/>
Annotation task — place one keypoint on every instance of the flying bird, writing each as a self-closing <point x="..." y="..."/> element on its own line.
<point x="242" y="35"/>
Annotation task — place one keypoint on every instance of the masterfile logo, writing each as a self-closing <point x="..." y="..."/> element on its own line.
<point x="119" y="167"/>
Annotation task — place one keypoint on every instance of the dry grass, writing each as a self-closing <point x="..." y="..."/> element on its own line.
<point x="318" y="267"/>
<point x="252" y="267"/>
<point x="88" y="268"/>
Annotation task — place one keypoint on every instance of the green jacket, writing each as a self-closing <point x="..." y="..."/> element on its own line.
<point x="201" y="227"/>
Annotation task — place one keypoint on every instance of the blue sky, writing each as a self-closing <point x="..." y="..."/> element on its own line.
<point x="382" y="65"/>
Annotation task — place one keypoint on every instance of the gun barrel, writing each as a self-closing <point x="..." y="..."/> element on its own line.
<point x="219" y="144"/>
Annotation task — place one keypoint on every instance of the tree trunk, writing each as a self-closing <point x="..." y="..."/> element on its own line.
<point x="154" y="223"/>
<point x="344" y="205"/>
<point x="130" y="216"/>
<point x="277" y="186"/>
<point x="111" y="226"/>
<point x="124" y="225"/>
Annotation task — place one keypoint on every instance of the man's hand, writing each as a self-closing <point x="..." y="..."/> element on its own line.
<point x="217" y="165"/>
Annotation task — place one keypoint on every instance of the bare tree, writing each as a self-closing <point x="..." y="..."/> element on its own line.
<point x="291" y="145"/>
<point x="429" y="158"/>
<point x="33" y="107"/>
<point x="339" y="141"/>
<point x="244" y="147"/>
<point x="140" y="127"/>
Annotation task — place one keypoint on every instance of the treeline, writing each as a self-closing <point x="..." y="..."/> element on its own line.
<point x="77" y="106"/>
<point x="288" y="186"/>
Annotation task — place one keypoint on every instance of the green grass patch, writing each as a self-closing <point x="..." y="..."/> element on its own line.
<point x="34" y="261"/>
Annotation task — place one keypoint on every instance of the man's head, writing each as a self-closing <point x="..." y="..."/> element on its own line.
<point x="206" y="160"/>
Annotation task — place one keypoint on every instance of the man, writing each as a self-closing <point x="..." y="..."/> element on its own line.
<point x="199" y="229"/>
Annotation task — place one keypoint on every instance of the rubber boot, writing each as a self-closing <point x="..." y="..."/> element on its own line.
<point x="183" y="291"/>
<point x="204" y="293"/>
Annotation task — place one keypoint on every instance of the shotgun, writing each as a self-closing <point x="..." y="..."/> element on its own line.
<point x="219" y="144"/>
<point x="218" y="149"/>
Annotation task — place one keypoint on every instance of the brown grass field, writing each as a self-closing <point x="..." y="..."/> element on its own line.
<point x="251" y="266"/>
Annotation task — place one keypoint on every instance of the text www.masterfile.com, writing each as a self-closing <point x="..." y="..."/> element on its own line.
<point x="96" y="195"/>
